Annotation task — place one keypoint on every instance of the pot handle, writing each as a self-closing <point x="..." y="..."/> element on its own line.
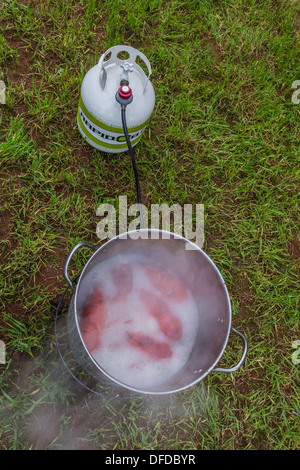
<point x="241" y="361"/>
<point x="70" y="256"/>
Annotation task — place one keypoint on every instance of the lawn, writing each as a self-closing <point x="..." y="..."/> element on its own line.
<point x="224" y="133"/>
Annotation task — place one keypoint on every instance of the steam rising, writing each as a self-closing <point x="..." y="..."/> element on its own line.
<point x="48" y="409"/>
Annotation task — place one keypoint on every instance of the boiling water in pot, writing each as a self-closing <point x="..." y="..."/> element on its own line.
<point x="137" y="320"/>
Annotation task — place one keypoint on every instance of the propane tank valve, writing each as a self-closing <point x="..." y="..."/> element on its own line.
<point x="124" y="95"/>
<point x="127" y="67"/>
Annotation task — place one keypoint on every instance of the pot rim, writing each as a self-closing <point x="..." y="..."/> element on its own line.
<point x="175" y="236"/>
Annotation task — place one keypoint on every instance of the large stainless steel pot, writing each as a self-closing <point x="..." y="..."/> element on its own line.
<point x="198" y="273"/>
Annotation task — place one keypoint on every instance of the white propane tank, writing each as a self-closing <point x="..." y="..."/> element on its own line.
<point x="99" y="113"/>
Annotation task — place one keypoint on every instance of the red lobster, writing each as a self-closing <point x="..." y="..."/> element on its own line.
<point x="150" y="346"/>
<point x="169" y="324"/>
<point x="166" y="284"/>
<point x="92" y="321"/>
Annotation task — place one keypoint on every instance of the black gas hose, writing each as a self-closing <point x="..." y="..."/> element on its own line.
<point x="137" y="182"/>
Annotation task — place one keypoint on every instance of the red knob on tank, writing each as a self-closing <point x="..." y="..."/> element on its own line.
<point x="125" y="92"/>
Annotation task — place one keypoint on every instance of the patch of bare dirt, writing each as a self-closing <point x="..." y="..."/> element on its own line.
<point x="294" y="247"/>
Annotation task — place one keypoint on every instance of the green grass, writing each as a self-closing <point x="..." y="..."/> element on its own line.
<point x="224" y="133"/>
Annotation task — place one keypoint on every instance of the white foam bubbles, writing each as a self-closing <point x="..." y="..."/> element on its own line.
<point x="122" y="361"/>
